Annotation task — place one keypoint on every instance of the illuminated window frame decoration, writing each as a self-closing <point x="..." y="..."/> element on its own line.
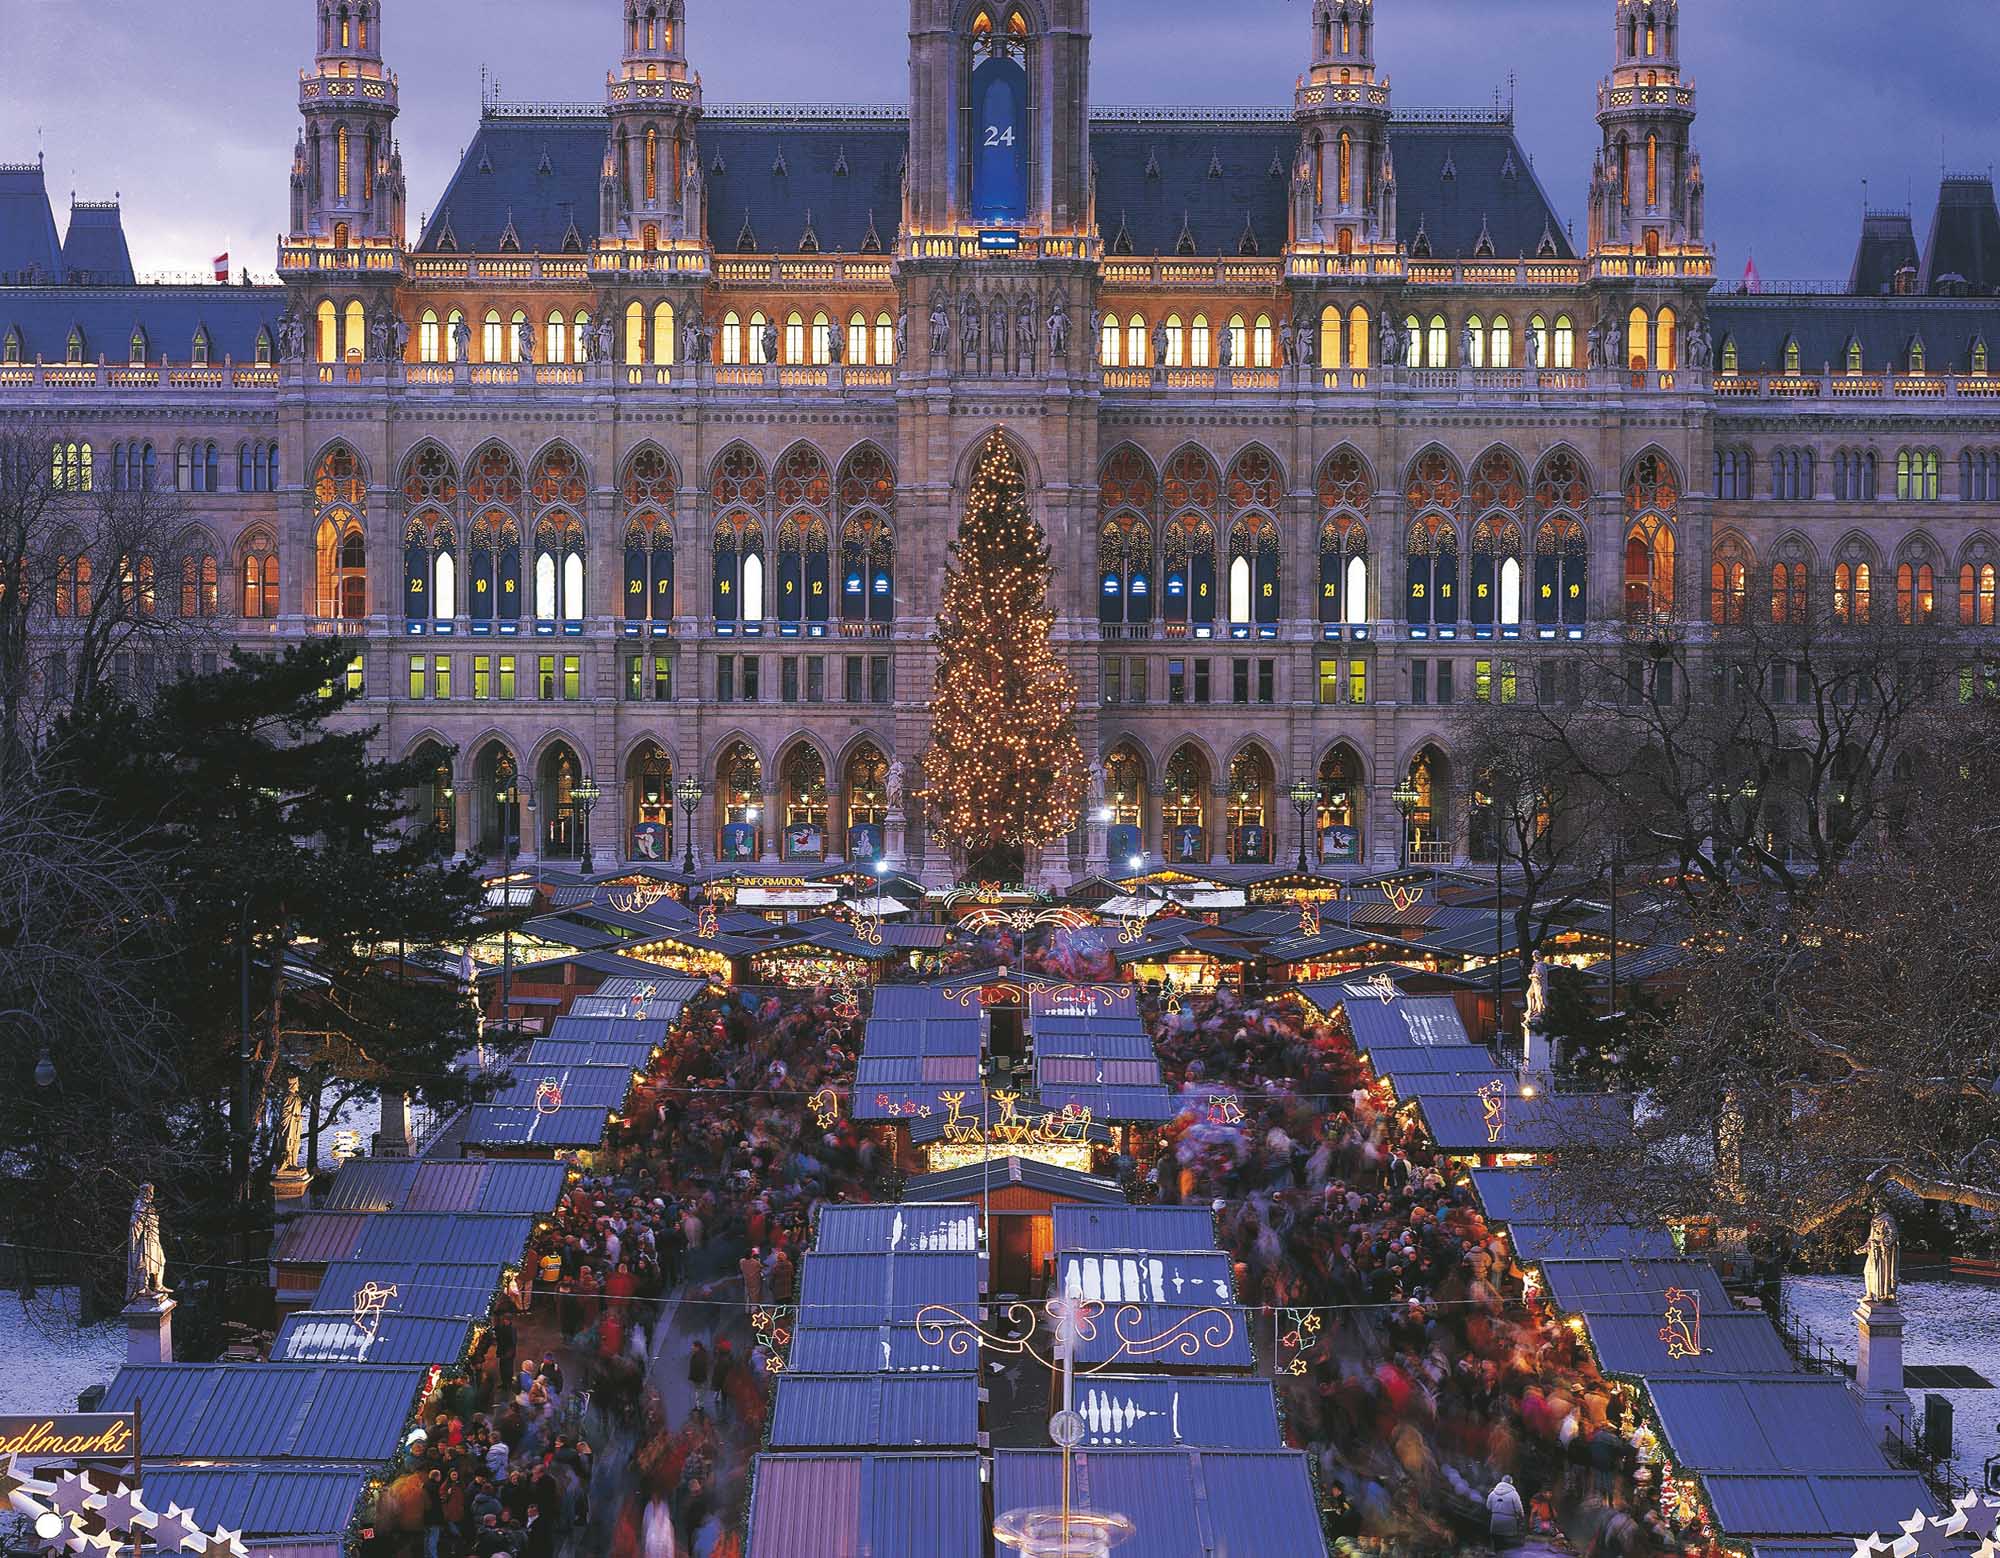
<point x="70" y="1514"/>
<point x="1682" y="1328"/>
<point x="1298" y="1332"/>
<point x="1493" y="1108"/>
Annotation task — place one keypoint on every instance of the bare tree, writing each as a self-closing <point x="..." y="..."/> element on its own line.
<point x="90" y="584"/>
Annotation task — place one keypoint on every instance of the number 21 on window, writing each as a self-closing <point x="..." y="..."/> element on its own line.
<point x="997" y="135"/>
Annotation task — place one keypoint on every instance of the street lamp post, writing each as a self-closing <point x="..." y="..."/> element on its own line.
<point x="1407" y="798"/>
<point x="506" y="797"/>
<point x="1305" y="801"/>
<point x="690" y="794"/>
<point x="584" y="796"/>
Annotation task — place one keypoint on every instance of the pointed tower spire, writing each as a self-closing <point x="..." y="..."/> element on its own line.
<point x="347" y="174"/>
<point x="1343" y="115"/>
<point x="1646" y="192"/>
<point x="653" y="181"/>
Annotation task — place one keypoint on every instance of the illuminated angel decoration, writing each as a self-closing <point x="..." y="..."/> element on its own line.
<point x="1493" y="1106"/>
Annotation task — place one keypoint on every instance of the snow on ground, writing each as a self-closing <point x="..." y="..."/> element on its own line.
<point x="1945" y="1322"/>
<point x="45" y="1361"/>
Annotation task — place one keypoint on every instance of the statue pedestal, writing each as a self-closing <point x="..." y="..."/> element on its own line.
<point x="149" y="1329"/>
<point x="290" y="1184"/>
<point x="1878" y="1374"/>
<point x="1537" y="1057"/>
<point x="896" y="846"/>
<point x="393" y="1140"/>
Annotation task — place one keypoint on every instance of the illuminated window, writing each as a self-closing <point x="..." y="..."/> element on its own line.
<point x="1565" y="342"/>
<point x="663" y="335"/>
<point x="635" y="334"/>
<point x="885" y="340"/>
<point x="340" y="157"/>
<point x="428" y="338"/>
<point x="795" y="338"/>
<point x="1500" y="350"/>
<point x="1198" y="342"/>
<point x="1176" y="342"/>
<point x="857" y="338"/>
<point x="1438" y="349"/>
<point x="1853" y="356"/>
<point x="822" y="340"/>
<point x="1474" y="340"/>
<point x="1111" y="346"/>
<point x="453" y="325"/>
<point x="1666" y="341"/>
<point x="1358" y="352"/>
<point x="1791" y="355"/>
<point x="758" y="325"/>
<point x="494" y="345"/>
<point x="555" y="347"/>
<point x="732" y="338"/>
<point x="1976" y="594"/>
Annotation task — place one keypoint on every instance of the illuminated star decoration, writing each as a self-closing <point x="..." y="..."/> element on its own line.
<point x="706" y="925"/>
<point x="69" y="1516"/>
<point x="1682" y="1331"/>
<point x="1493" y="1106"/>
<point x="1308" y="917"/>
<point x="825" y="1106"/>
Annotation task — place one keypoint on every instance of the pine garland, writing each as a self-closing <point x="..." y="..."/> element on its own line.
<point x="1004" y="769"/>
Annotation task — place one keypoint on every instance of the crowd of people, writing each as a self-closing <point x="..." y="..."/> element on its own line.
<point x="1443" y="1405"/>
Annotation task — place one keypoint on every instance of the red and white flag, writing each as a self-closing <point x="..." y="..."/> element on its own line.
<point x="1752" y="282"/>
<point x="222" y="266"/>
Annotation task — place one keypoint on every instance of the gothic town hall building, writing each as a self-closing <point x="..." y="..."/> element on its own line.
<point x="642" y="459"/>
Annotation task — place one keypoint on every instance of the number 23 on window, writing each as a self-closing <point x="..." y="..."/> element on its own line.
<point x="999" y="135"/>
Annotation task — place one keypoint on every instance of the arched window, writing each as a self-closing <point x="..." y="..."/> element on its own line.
<point x="559" y="491"/>
<point x="201" y="585"/>
<point x="635" y="334"/>
<point x="1329" y="337"/>
<point x="1263" y="343"/>
<point x="1358" y="352"/>
<point x="1499" y="493"/>
<point x="1854" y="362"/>
<point x="430" y="342"/>
<point x="649" y="539"/>
<point x="1111" y="346"/>
<point x="1666" y="341"/>
<point x="329" y="332"/>
<point x="1126" y="492"/>
<point x="795" y="338"/>
<point x="1500" y="345"/>
<point x="1438" y="351"/>
<point x="1431" y="555"/>
<point x="1565" y="343"/>
<point x="260" y="579"/>
<point x="1638" y="341"/>
<point x="1251" y="798"/>
<point x="1979" y="357"/>
<point x="857" y="338"/>
<point x="754" y="339"/>
<point x="1184" y="807"/>
<point x="803" y="582"/>
<point x="1344" y="495"/>
<point x="1917" y="475"/>
<point x="1652" y="507"/>
<point x="555" y="344"/>
<point x="493" y="338"/>
<point x="1791" y="357"/>
<point x="867" y="497"/>
<point x="1338" y="827"/>
<point x="1137" y="348"/>
<point x="1198" y="343"/>
<point x="491" y="581"/>
<point x="1916" y="588"/>
<point x="1254" y="494"/>
<point x="738" y="491"/>
<point x="1917" y="355"/>
<point x="732" y="338"/>
<point x="1192" y="492"/>
<point x="1239" y="341"/>
<point x="663" y="335"/>
<point x="1976" y="593"/>
<point x="802" y="794"/>
<point x="1413" y="342"/>
<point x="885" y="340"/>
<point x="339" y="491"/>
<point x="454" y="323"/>
<point x="1729" y="583"/>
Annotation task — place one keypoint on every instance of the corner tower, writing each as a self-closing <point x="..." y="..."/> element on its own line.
<point x="1646" y="192"/>
<point x="1344" y="189"/>
<point x="999" y="118"/>
<point x="347" y="173"/>
<point x="652" y="190"/>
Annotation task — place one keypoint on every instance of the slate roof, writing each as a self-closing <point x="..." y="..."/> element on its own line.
<point x="1222" y="184"/>
<point x="1965" y="236"/>
<point x="1409" y="1022"/>
<point x="1761" y="324"/>
<point x="28" y="244"/>
<point x="1732" y="1344"/>
<point x="1629" y="1287"/>
<point x="369" y="1185"/>
<point x="1888" y="244"/>
<point x="94" y="251"/>
<point x="233" y="317"/>
<point x="486" y="1187"/>
<point x="1194" y="1503"/>
<point x="268" y="1411"/>
<point x="891" y="1412"/>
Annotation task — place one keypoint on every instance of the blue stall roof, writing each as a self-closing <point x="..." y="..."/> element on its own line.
<point x="905" y="1229"/>
<point x="369" y="1185"/>
<point x="648" y="1030"/>
<point x="291" y="1501"/>
<point x="878" y="1349"/>
<point x="1134" y="1277"/>
<point x="887" y="1506"/>
<point x="918" y="1042"/>
<point x="473" y="1186"/>
<point x="268" y="1411"/>
<point x="888" y="1412"/>
<point x="1185" y="1503"/>
<point x="474" y="1238"/>
<point x="317" y="1237"/>
<point x="1409" y="1085"/>
<point x="1408" y="1022"/>
<point x="493" y="1126"/>
<point x="632" y="1056"/>
<point x="1850" y="1505"/>
<point x="1515" y="1195"/>
<point x="1536" y="1243"/>
<point x="592" y="1087"/>
<point x="1732" y="1344"/>
<point x="1150" y="1228"/>
<point x="436" y="1289"/>
<point x="1146" y="1412"/>
<point x="1630" y="1287"/>
<point x="1205" y="1336"/>
<point x="1798" y="1423"/>
<point x="1105" y="1102"/>
<point x="876" y="1288"/>
<point x="310" y="1336"/>
<point x="1544" y="1123"/>
<point x="1455" y="1059"/>
<point x="972" y="1181"/>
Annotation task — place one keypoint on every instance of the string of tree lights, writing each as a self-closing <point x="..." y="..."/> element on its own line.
<point x="1004" y="771"/>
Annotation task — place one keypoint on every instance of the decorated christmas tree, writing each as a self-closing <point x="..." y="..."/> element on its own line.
<point x="1004" y="769"/>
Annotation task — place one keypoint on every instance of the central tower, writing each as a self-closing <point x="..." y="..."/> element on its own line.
<point x="1344" y="192"/>
<point x="999" y="117"/>
<point x="652" y="179"/>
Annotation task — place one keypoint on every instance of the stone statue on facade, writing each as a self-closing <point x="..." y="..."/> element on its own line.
<point x="605" y="336"/>
<point x="1059" y="332"/>
<point x="1391" y="346"/>
<point x="895" y="784"/>
<point x="378" y="339"/>
<point x="1700" y="346"/>
<point x="290" y="1126"/>
<point x="770" y="341"/>
<point x="1614" y="346"/>
<point x="1161" y="342"/>
<point x="1534" y="344"/>
<point x="902" y="332"/>
<point x="940" y="327"/>
<point x="1594" y="347"/>
<point x="836" y="344"/>
<point x="145" y="1260"/>
<point x="399" y="338"/>
<point x="1884" y="1261"/>
<point x="691" y="340"/>
<point x="461" y="341"/>
<point x="1468" y="345"/>
<point x="1225" y="348"/>
<point x="968" y="325"/>
<point x="524" y="342"/>
<point x="1024" y="329"/>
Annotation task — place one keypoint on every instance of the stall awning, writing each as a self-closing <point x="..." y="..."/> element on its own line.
<point x="881" y="908"/>
<point x="1131" y="908"/>
<point x="1205" y="898"/>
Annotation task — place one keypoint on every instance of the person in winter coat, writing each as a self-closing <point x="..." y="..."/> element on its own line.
<point x="1505" y="1521"/>
<point x="698" y="1377"/>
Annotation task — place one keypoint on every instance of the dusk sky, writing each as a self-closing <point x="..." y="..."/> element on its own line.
<point x="190" y="114"/>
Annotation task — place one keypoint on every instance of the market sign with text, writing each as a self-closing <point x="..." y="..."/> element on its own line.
<point x="95" y="1436"/>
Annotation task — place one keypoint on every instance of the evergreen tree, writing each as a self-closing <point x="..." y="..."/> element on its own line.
<point x="1004" y="769"/>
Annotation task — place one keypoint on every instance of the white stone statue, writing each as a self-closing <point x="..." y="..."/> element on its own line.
<point x="145" y="1260"/>
<point x="1535" y="351"/>
<point x="1468" y="345"/>
<point x="968" y="325"/>
<point x="1225" y="348"/>
<point x="1160" y="344"/>
<point x="902" y="333"/>
<point x="1391" y="344"/>
<point x="461" y="341"/>
<point x="896" y="783"/>
<point x="1538" y="994"/>
<point x="524" y="341"/>
<point x="1025" y="330"/>
<point x="1594" y="345"/>
<point x="291" y="1125"/>
<point x="606" y="335"/>
<point x="1614" y="346"/>
<point x="1885" y="1258"/>
<point x="691" y="341"/>
<point x="940" y="328"/>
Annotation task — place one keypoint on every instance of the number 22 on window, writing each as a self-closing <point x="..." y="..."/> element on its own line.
<point x="996" y="135"/>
